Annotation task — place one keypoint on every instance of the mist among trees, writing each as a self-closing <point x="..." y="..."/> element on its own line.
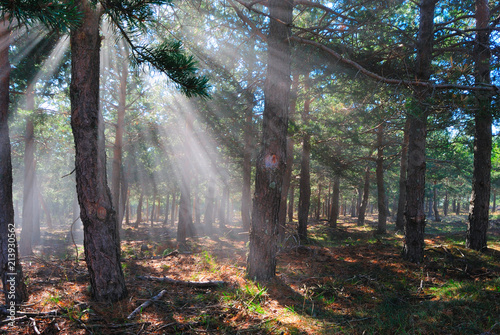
<point x="249" y="166"/>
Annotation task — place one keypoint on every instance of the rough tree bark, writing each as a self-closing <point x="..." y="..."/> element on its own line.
<point x="101" y="242"/>
<point x="413" y="249"/>
<point x="10" y="266"/>
<point x="477" y="228"/>
<point x="271" y="161"/>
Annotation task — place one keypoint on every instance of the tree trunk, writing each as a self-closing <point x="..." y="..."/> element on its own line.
<point x="25" y="247"/>
<point x="116" y="175"/>
<point x="246" y="196"/>
<point x="413" y="249"/>
<point x="46" y="210"/>
<point x="318" y="206"/>
<point x="429" y="207"/>
<point x="305" y="177"/>
<point x="127" y="209"/>
<point x="454" y="205"/>
<point x="291" y="203"/>
<point x="139" y="210"/>
<point x="167" y="208"/>
<point x="334" y="215"/>
<point x="222" y="208"/>
<point x="353" y="205"/>
<point x="437" y="218"/>
<point x="209" y="206"/>
<point x="124" y="193"/>
<point x="477" y="228"/>
<point x="364" y="202"/>
<point x="10" y="266"/>
<point x="458" y="207"/>
<point x="174" y="200"/>
<point x="494" y="208"/>
<point x="36" y="236"/>
<point x="287" y="178"/>
<point x="445" y="203"/>
<point x="196" y="205"/>
<point x="381" y="197"/>
<point x="400" y="216"/>
<point x="185" y="224"/>
<point x="101" y="239"/>
<point x="271" y="161"/>
<point x="153" y="209"/>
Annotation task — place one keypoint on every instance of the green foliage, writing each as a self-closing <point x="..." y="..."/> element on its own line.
<point x="170" y="58"/>
<point x="57" y="15"/>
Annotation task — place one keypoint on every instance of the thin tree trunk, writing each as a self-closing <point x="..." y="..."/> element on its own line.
<point x="46" y="210"/>
<point x="25" y="247"/>
<point x="222" y="208"/>
<point x="101" y="239"/>
<point x="364" y="201"/>
<point x="209" y="206"/>
<point x="117" y="174"/>
<point x="151" y="220"/>
<point x="286" y="186"/>
<point x="458" y="207"/>
<point x="429" y="206"/>
<point x="35" y="238"/>
<point x="413" y="249"/>
<point x="305" y="178"/>
<point x="353" y="206"/>
<point x="167" y="207"/>
<point x="124" y="192"/>
<point x="445" y="204"/>
<point x="271" y="161"/>
<point x="381" y="197"/>
<point x="291" y="202"/>
<point x="454" y="205"/>
<point x="494" y="201"/>
<point x="185" y="224"/>
<point x="127" y="209"/>
<point x="318" y="206"/>
<point x="437" y="218"/>
<point x="246" y="196"/>
<point x="10" y="266"/>
<point x="477" y="228"/>
<point x="174" y="200"/>
<point x="334" y="216"/>
<point x="139" y="210"/>
<point x="400" y="216"/>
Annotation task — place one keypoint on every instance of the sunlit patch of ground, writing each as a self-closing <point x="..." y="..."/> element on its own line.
<point x="346" y="280"/>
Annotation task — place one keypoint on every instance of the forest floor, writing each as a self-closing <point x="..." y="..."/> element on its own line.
<point x="345" y="281"/>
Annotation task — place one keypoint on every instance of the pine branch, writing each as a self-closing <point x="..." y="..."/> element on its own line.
<point x="168" y="57"/>
<point x="57" y="15"/>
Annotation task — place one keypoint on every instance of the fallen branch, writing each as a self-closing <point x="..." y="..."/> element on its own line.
<point x="200" y="284"/>
<point x="145" y="304"/>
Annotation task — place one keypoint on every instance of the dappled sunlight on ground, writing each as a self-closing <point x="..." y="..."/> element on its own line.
<point x="346" y="280"/>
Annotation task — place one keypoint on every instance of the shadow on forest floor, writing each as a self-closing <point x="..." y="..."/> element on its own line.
<point x="345" y="280"/>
